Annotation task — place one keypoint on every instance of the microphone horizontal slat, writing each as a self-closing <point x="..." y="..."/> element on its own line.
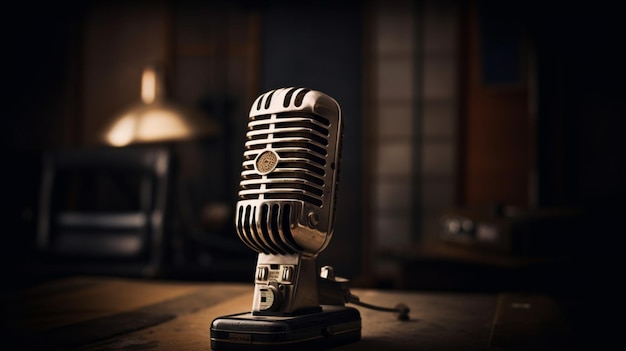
<point x="295" y="186"/>
<point x="298" y="149"/>
<point x="313" y="178"/>
<point x="289" y="122"/>
<point x="284" y="151"/>
<point x="247" y="186"/>
<point x="306" y="130"/>
<point x="310" y="162"/>
<point x="287" y="142"/>
<point x="280" y="145"/>
<point x="259" y="117"/>
<point x="301" y="157"/>
<point x="294" y="196"/>
<point x="283" y="166"/>
<point x="257" y="147"/>
<point x="282" y="195"/>
<point x="250" y="174"/>
<point x="253" y="182"/>
<point x="278" y="190"/>
<point x="292" y="114"/>
<point x="248" y="164"/>
<point x="307" y="135"/>
<point x="289" y="116"/>
<point x="303" y="123"/>
<point x="298" y="139"/>
<point x="296" y="169"/>
<point x="249" y="189"/>
<point x="278" y="132"/>
<point x="307" y="167"/>
<point x="308" y="126"/>
<point x="249" y="159"/>
<point x="286" y="184"/>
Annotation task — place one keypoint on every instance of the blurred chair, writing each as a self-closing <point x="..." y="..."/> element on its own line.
<point x="104" y="210"/>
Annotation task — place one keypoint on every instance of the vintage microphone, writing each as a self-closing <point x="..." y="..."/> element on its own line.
<point x="287" y="195"/>
<point x="285" y="212"/>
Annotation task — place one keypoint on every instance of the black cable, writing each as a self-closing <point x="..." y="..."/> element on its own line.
<point x="401" y="309"/>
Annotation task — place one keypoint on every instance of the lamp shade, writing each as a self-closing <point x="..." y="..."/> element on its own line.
<point x="155" y="118"/>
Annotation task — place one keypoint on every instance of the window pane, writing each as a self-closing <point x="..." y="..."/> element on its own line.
<point x="395" y="120"/>
<point x="439" y="120"/>
<point x="394" y="159"/>
<point x="438" y="159"/>
<point x="393" y="196"/>
<point x="395" y="78"/>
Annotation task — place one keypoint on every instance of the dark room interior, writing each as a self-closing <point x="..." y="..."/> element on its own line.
<point x="483" y="149"/>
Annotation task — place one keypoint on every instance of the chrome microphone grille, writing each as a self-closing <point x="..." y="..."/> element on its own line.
<point x="289" y="172"/>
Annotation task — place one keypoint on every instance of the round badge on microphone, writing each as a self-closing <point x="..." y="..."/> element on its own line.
<point x="266" y="162"/>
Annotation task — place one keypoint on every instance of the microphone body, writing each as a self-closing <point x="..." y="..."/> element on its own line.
<point x="287" y="195"/>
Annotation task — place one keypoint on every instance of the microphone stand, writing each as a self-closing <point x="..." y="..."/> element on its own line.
<point x="329" y="325"/>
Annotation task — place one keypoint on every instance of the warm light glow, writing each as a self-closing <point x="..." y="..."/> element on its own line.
<point x="148" y="85"/>
<point x="155" y="118"/>
<point x="146" y="125"/>
<point x="123" y="132"/>
<point x="160" y="125"/>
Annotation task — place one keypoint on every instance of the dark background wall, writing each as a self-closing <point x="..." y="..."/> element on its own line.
<point x="580" y="139"/>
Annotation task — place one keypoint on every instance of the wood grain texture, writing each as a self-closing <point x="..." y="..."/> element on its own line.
<point x="98" y="314"/>
<point x="71" y="313"/>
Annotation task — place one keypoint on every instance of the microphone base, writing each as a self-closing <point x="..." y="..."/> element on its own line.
<point x="334" y="326"/>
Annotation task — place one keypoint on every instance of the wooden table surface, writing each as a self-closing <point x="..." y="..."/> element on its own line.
<point x="99" y="313"/>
